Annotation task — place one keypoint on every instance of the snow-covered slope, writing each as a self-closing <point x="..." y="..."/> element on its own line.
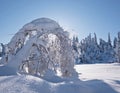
<point x="94" y="78"/>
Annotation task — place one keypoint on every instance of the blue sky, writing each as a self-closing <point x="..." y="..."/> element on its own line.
<point x="78" y="16"/>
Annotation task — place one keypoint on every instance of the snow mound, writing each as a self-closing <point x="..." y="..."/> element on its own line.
<point x="37" y="47"/>
<point x="42" y="23"/>
<point x="31" y="84"/>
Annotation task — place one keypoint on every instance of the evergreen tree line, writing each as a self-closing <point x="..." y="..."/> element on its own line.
<point x="89" y="51"/>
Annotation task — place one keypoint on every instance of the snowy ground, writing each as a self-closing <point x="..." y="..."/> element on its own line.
<point x="93" y="78"/>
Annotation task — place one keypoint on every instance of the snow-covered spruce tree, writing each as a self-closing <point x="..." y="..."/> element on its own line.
<point x="39" y="46"/>
<point x="76" y="49"/>
<point x="75" y="43"/>
<point x="92" y="52"/>
<point x="109" y="40"/>
<point x="107" y="53"/>
<point x="89" y="50"/>
<point x="114" y="42"/>
<point x="117" y="47"/>
<point x="2" y="49"/>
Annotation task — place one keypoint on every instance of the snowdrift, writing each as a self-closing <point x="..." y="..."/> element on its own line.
<point x="94" y="78"/>
<point x="39" y="46"/>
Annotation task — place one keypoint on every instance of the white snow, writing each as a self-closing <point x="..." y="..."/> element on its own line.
<point x="93" y="78"/>
<point x="38" y="46"/>
<point x="103" y="78"/>
<point x="43" y="49"/>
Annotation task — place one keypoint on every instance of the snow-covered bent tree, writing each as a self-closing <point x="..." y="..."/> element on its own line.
<point x="39" y="46"/>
